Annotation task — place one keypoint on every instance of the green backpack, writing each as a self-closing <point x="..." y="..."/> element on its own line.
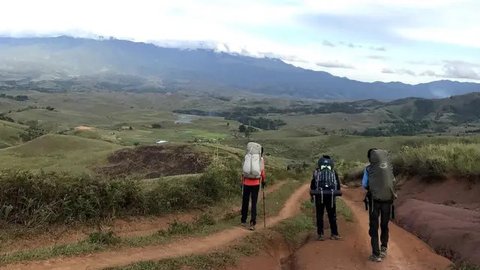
<point x="381" y="180"/>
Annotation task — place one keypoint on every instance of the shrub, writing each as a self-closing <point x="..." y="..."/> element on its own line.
<point x="205" y="220"/>
<point x="6" y="118"/>
<point x="103" y="238"/>
<point x="218" y="182"/>
<point x="38" y="199"/>
<point x="178" y="227"/>
<point x="33" y="131"/>
<point x="435" y="160"/>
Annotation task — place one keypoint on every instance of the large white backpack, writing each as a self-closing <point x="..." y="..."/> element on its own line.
<point x="252" y="164"/>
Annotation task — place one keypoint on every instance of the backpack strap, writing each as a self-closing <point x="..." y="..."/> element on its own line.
<point x="333" y="198"/>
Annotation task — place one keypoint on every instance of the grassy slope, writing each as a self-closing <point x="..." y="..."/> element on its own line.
<point x="334" y="121"/>
<point x="56" y="152"/>
<point x="9" y="133"/>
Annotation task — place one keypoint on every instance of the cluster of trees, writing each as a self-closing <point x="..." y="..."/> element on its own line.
<point x="247" y="130"/>
<point x="403" y="128"/>
<point x="33" y="131"/>
<point x="17" y="98"/>
<point x="260" y="122"/>
<point x="6" y="118"/>
<point x="244" y="116"/>
<point x="322" y="108"/>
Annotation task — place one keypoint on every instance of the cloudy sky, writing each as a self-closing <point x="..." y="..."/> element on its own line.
<point x="403" y="40"/>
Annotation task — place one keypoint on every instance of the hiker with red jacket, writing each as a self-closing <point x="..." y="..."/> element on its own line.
<point x="379" y="180"/>
<point x="253" y="176"/>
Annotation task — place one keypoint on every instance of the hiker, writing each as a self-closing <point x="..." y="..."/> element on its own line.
<point x="378" y="180"/>
<point x="253" y="176"/>
<point x="324" y="188"/>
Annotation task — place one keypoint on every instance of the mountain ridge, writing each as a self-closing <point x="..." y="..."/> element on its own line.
<point x="199" y="69"/>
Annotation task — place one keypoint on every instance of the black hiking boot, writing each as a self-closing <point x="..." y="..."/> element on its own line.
<point x="383" y="252"/>
<point x="375" y="258"/>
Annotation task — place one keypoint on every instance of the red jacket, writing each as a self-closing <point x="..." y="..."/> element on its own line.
<point x="256" y="181"/>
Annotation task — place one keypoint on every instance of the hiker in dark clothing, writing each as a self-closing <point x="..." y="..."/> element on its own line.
<point x="325" y="181"/>
<point x="379" y="180"/>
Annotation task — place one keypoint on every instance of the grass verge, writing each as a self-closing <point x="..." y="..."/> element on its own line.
<point x="343" y="209"/>
<point x="205" y="224"/>
<point x="465" y="266"/>
<point x="438" y="160"/>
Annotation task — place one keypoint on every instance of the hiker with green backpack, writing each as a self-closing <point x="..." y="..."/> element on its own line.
<point x="324" y="188"/>
<point x="253" y="177"/>
<point x="379" y="181"/>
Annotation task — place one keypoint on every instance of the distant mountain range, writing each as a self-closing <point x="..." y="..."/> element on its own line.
<point x="66" y="63"/>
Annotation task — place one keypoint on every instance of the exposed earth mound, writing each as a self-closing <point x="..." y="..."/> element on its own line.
<point x="155" y="161"/>
<point x="445" y="214"/>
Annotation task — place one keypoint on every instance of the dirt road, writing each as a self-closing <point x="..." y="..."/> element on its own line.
<point x="179" y="248"/>
<point x="405" y="250"/>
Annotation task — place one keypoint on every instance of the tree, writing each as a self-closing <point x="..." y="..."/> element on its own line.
<point x="33" y="131"/>
<point x="242" y="128"/>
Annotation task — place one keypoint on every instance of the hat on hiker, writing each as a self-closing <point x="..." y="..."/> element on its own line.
<point x="325" y="160"/>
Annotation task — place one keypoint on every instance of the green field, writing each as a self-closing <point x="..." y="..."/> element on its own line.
<point x="9" y="133"/>
<point x="123" y="119"/>
<point x="57" y="153"/>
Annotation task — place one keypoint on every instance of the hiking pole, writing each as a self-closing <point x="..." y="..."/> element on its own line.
<point x="264" y="211"/>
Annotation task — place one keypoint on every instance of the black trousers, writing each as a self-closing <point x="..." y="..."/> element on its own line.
<point x="379" y="210"/>
<point x="250" y="191"/>
<point x="331" y="212"/>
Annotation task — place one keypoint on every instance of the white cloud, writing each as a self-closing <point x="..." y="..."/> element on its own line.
<point x="263" y="28"/>
<point x="334" y="64"/>
<point x="469" y="36"/>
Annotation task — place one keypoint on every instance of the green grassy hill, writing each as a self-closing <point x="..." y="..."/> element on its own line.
<point x="57" y="153"/>
<point x="9" y="133"/>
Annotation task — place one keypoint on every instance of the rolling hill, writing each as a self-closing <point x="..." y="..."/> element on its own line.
<point x="9" y="133"/>
<point x="57" y="153"/>
<point x="66" y="63"/>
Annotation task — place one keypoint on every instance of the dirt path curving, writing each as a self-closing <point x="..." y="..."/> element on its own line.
<point x="134" y="227"/>
<point x="179" y="248"/>
<point x="405" y="250"/>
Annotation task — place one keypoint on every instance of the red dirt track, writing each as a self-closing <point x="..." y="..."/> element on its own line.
<point x="405" y="252"/>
